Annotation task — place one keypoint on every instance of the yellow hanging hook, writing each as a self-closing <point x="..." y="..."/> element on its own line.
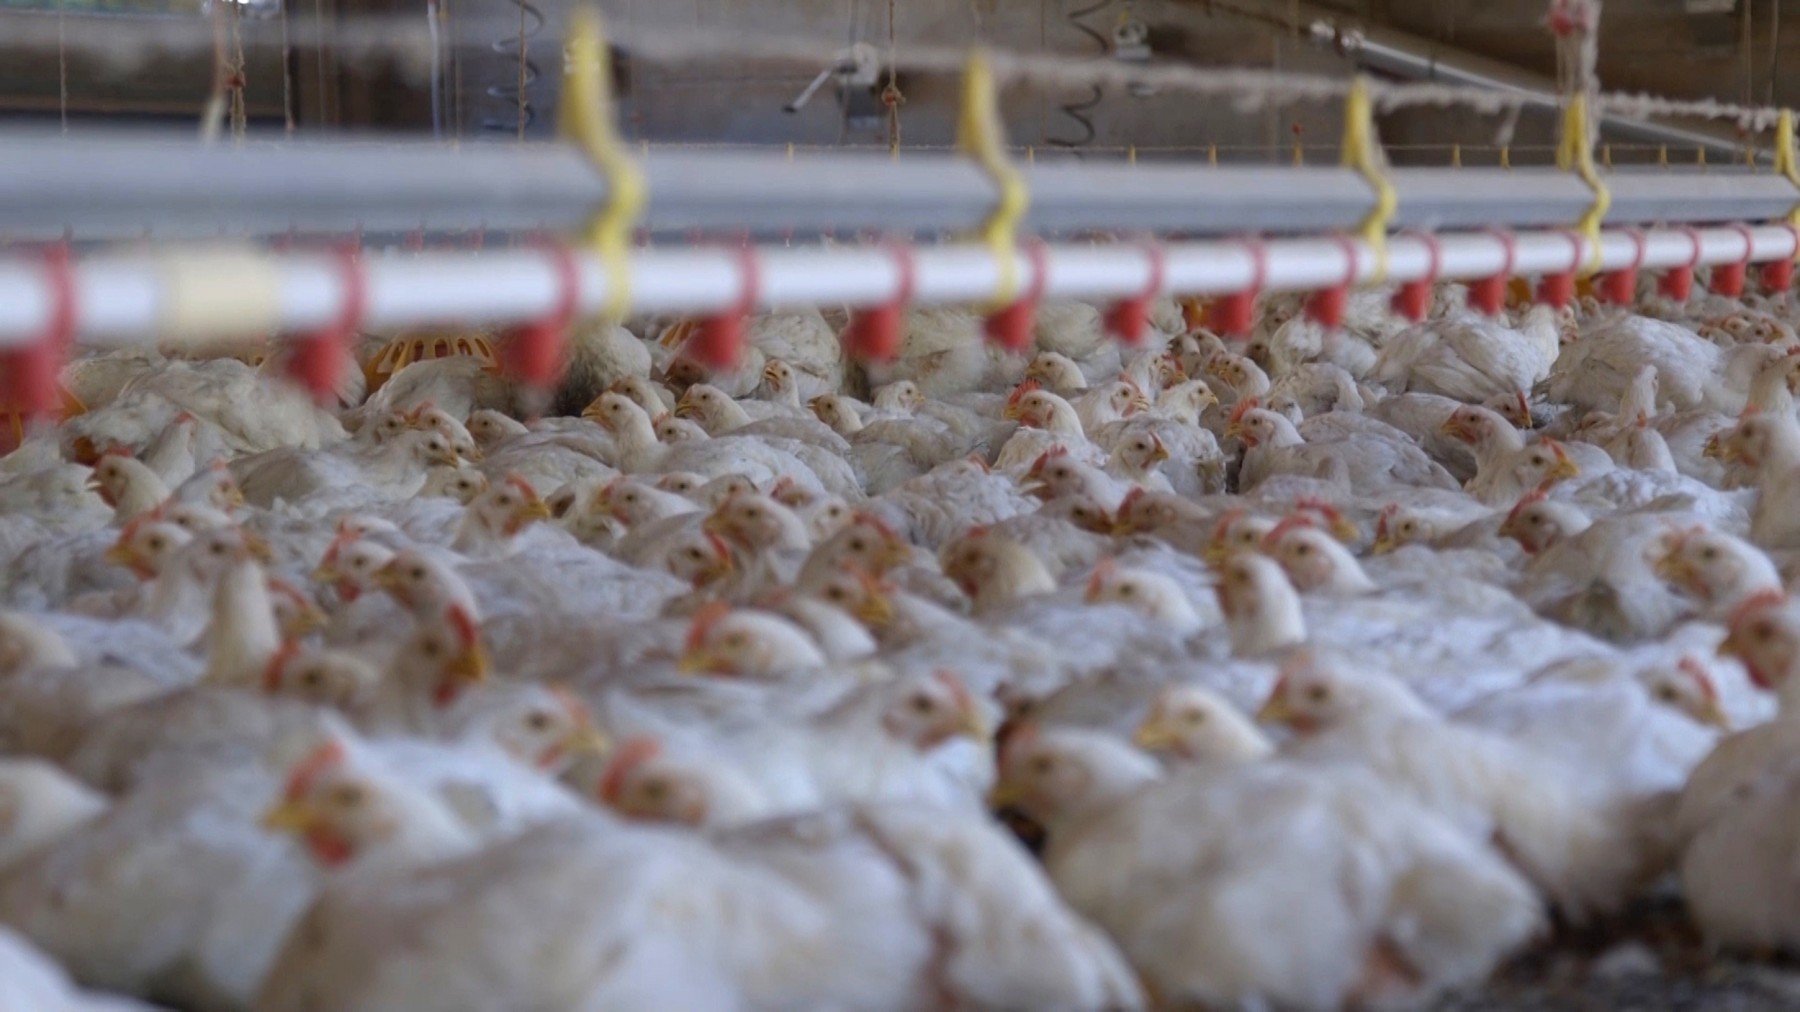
<point x="1787" y="162"/>
<point x="586" y="118"/>
<point x="981" y="136"/>
<point x="1575" y="153"/>
<point x="1362" y="152"/>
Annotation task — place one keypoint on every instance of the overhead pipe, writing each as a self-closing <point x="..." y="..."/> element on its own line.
<point x="188" y="296"/>
<point x="1416" y="58"/>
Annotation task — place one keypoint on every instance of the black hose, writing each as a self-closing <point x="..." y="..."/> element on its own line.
<point x="1078" y="111"/>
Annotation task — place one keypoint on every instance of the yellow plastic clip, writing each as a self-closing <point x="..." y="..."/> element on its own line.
<point x="1362" y="152"/>
<point x="1575" y="153"/>
<point x="980" y="135"/>
<point x="587" y="119"/>
<point x="1787" y="162"/>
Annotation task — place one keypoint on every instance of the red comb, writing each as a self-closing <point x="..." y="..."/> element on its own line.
<point x="977" y="531"/>
<point x="1755" y="604"/>
<point x="576" y="706"/>
<point x="881" y="526"/>
<point x="1131" y="498"/>
<point x="1288" y="524"/>
<point x="1536" y="495"/>
<point x="1021" y="390"/>
<point x="709" y="615"/>
<point x="633" y="753"/>
<point x="326" y="756"/>
<point x="277" y="664"/>
<point x="958" y="689"/>
<point x="525" y="487"/>
<point x="1243" y="408"/>
<point x="1103" y="571"/>
<point x="1691" y="666"/>
<point x="1556" y="447"/>
<point x="1318" y="505"/>
<point x="719" y="547"/>
<point x="1222" y="526"/>
<point x="1020" y="735"/>
<point x="463" y="624"/>
<point x="1524" y="405"/>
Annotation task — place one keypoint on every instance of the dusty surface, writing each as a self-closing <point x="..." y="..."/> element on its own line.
<point x="1652" y="960"/>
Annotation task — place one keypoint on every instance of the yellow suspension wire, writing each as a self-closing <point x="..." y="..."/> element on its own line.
<point x="586" y="118"/>
<point x="1362" y="152"/>
<point x="1575" y="153"/>
<point x="1787" y="164"/>
<point x="981" y="136"/>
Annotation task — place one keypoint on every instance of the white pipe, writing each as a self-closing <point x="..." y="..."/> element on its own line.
<point x="125" y="300"/>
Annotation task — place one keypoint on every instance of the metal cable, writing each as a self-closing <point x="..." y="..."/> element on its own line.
<point x="517" y="94"/>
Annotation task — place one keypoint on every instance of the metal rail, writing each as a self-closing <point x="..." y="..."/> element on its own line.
<point x="128" y="187"/>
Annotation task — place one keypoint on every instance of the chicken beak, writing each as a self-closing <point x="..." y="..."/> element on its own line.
<point x="326" y="573"/>
<point x="473" y="454"/>
<point x="1012" y="412"/>
<point x="1672" y="569"/>
<point x="701" y="661"/>
<point x="875" y="611"/>
<point x="258" y="547"/>
<point x="684" y="408"/>
<point x="1159" y="452"/>
<point x="593" y="413"/>
<point x="1564" y="469"/>
<point x="1234" y="431"/>
<point x="1139" y="402"/>
<point x="534" y="510"/>
<point x="305" y="621"/>
<point x="893" y="553"/>
<point x="294" y="817"/>
<point x="1383" y="545"/>
<point x="1276" y="711"/>
<point x="587" y="740"/>
<point x="1717" y="449"/>
<point x="1005" y="794"/>
<point x="1454" y="428"/>
<point x="1154" y="735"/>
<point x="471" y="666"/>
<point x="974" y="726"/>
<point x="122" y="554"/>
<point x="1713" y="715"/>
<point x="1733" y="645"/>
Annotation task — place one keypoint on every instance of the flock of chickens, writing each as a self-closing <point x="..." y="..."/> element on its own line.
<point x="1329" y="669"/>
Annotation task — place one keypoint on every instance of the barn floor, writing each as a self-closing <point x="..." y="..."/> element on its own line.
<point x="1655" y="962"/>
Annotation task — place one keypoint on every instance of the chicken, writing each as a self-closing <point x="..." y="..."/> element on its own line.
<point x="1270" y="883"/>
<point x="1468" y="357"/>
<point x="1583" y="858"/>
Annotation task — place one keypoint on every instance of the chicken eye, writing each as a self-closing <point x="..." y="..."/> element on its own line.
<point x="1303" y="549"/>
<point x="1195" y="716"/>
<point x="1666" y="693"/>
<point x="1127" y="590"/>
<point x="1043" y="764"/>
<point x="154" y="544"/>
<point x="1709" y="553"/>
<point x="654" y="790"/>
<point x="922" y="704"/>
<point x="217" y="549"/>
<point x="1318" y="693"/>
<point x="417" y="572"/>
<point x="695" y="553"/>
<point x="1536" y="520"/>
<point x="349" y="796"/>
<point x="538" y="720"/>
<point x="1764" y="631"/>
